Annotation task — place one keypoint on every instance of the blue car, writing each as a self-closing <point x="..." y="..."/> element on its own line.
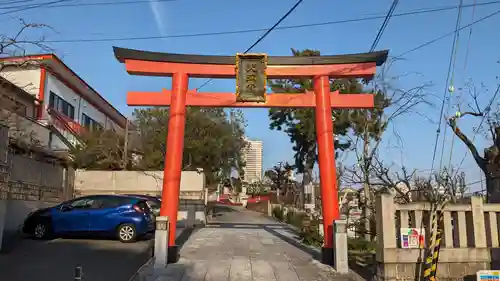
<point x="154" y="202"/>
<point x="125" y="217"/>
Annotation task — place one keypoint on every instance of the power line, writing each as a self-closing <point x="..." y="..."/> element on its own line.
<point x="86" y="4"/>
<point x="15" y="2"/>
<point x="384" y="25"/>
<point x="34" y="6"/>
<point x="450" y="65"/>
<point x="447" y="34"/>
<point x="131" y="2"/>
<point x="219" y="33"/>
<point x="264" y="35"/>
<point x="470" y="36"/>
<point x="474" y="182"/>
<point x="274" y="26"/>
<point x="451" y="88"/>
<point x="465" y="68"/>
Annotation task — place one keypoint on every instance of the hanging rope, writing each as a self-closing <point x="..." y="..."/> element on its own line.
<point x="458" y="113"/>
<point x="451" y="85"/>
<point x="441" y="112"/>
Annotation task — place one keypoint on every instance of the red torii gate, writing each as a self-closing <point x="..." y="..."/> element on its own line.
<point x="180" y="67"/>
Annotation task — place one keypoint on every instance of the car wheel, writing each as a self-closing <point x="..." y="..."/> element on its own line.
<point x="42" y="231"/>
<point x="126" y="233"/>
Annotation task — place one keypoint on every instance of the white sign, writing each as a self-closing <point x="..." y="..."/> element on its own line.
<point x="412" y="238"/>
<point x="489" y="275"/>
<point x="309" y="206"/>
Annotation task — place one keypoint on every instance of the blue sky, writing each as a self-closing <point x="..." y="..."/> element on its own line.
<point x="96" y="64"/>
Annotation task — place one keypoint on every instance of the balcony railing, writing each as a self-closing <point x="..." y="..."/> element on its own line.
<point x="63" y="122"/>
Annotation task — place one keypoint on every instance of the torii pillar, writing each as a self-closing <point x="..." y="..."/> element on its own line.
<point x="251" y="72"/>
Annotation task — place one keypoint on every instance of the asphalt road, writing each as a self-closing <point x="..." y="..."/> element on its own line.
<point x="55" y="260"/>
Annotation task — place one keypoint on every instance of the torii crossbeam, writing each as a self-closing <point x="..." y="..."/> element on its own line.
<point x="251" y="72"/>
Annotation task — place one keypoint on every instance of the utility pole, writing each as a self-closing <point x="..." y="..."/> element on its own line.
<point x="125" y="146"/>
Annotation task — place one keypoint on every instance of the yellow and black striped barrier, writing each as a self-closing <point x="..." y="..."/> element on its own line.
<point x="432" y="255"/>
<point x="431" y="245"/>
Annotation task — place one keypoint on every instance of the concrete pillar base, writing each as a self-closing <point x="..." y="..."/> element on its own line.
<point x="161" y="253"/>
<point x="173" y="254"/>
<point x="340" y="261"/>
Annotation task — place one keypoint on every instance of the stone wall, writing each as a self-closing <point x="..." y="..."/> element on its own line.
<point x="136" y="182"/>
<point x="445" y="271"/>
<point x="27" y="184"/>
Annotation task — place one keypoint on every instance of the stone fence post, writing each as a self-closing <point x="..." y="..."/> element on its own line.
<point x="478" y="222"/>
<point x="385" y="211"/>
<point x="161" y="242"/>
<point x="205" y="195"/>
<point x="340" y="261"/>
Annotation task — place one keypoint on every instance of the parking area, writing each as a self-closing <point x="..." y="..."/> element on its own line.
<point x="55" y="260"/>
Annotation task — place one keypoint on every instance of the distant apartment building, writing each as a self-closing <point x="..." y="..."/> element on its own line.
<point x="252" y="155"/>
<point x="61" y="98"/>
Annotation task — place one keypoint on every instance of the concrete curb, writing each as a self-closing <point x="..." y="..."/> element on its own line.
<point x="181" y="239"/>
<point x="137" y="275"/>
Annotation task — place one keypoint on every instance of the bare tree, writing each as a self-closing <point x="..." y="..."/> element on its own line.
<point x="390" y="104"/>
<point x="489" y="162"/>
<point x="406" y="185"/>
<point x="18" y="44"/>
<point x="443" y="186"/>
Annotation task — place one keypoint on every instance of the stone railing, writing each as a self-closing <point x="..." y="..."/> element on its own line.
<point x="470" y="236"/>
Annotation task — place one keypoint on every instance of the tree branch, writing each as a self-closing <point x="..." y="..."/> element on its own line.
<point x="452" y="122"/>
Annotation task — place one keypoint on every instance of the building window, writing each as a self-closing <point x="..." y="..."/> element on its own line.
<point x="90" y="123"/>
<point x="61" y="105"/>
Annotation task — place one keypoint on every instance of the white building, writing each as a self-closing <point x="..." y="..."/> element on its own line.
<point x="252" y="155"/>
<point x="63" y="99"/>
<point x="18" y="112"/>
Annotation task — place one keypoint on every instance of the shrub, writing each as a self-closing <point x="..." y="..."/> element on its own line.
<point x="359" y="244"/>
<point x="310" y="234"/>
<point x="278" y="213"/>
<point x="288" y="217"/>
<point x="297" y="220"/>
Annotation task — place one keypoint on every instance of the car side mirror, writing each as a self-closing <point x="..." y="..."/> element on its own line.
<point x="66" y="208"/>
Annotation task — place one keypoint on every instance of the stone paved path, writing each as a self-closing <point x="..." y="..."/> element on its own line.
<point x="241" y="245"/>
